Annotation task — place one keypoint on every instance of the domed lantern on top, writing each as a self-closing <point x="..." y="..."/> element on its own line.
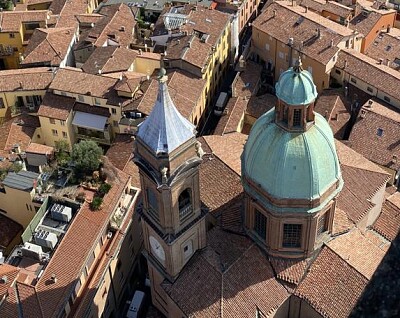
<point x="290" y="171"/>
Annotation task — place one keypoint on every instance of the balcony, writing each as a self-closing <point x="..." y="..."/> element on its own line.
<point x="6" y="50"/>
<point x="127" y="200"/>
<point x="185" y="211"/>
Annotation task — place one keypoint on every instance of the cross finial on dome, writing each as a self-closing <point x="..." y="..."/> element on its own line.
<point x="298" y="65"/>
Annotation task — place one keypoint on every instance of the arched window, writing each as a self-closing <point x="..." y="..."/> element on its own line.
<point x="185" y="203"/>
<point x="152" y="203"/>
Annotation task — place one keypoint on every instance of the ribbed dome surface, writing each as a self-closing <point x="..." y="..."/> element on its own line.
<point x="291" y="165"/>
<point x="296" y="87"/>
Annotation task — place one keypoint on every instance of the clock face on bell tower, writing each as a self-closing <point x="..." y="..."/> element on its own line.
<point x="156" y="248"/>
<point x="168" y="156"/>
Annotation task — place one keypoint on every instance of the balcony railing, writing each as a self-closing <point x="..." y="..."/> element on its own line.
<point x="185" y="211"/>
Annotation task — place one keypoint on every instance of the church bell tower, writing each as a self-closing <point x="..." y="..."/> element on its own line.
<point x="168" y="156"/>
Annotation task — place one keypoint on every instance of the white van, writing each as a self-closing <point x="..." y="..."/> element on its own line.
<point x="136" y="305"/>
<point x="220" y="104"/>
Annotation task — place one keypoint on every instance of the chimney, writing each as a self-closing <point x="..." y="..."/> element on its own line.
<point x="274" y="13"/>
<point x="345" y="64"/>
<point x="140" y="51"/>
<point x="331" y="43"/>
<point x="318" y="33"/>
<point x="388" y="62"/>
<point x="306" y="9"/>
<point x="53" y="278"/>
<point x="380" y="61"/>
<point x="388" y="29"/>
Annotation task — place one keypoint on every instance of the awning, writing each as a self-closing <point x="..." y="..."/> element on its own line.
<point x="90" y="121"/>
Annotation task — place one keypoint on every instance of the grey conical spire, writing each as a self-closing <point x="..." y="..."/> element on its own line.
<point x="165" y="129"/>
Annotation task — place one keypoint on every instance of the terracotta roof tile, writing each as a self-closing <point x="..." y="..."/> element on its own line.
<point x="88" y="18"/>
<point x="259" y="105"/>
<point x="11" y="20"/>
<point x="56" y="106"/>
<point x="75" y="247"/>
<point x="323" y="6"/>
<point x="9" y="230"/>
<point x="117" y="25"/>
<point x="120" y="152"/>
<point x="365" y="23"/>
<point x="75" y="81"/>
<point x="332" y="287"/>
<point x="228" y="148"/>
<point x="291" y="271"/>
<point x="358" y="251"/>
<point x="200" y="21"/>
<point x="9" y="307"/>
<point x="11" y="272"/>
<point x="365" y="139"/>
<point x="48" y="46"/>
<point x="218" y="184"/>
<point x="227" y="257"/>
<point x="359" y="187"/>
<point x="92" y="109"/>
<point x="29" y="301"/>
<point x="341" y="222"/>
<point x="109" y="59"/>
<point x="39" y="148"/>
<point x="382" y="77"/>
<point x="185" y="90"/>
<point x="250" y="285"/>
<point x="25" y="79"/>
<point x="387" y="47"/>
<point x="388" y="222"/>
<point x="133" y="171"/>
<point x="285" y="25"/>
<point x="332" y="105"/>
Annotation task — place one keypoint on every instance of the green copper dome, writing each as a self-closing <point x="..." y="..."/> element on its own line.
<point x="299" y="166"/>
<point x="296" y="86"/>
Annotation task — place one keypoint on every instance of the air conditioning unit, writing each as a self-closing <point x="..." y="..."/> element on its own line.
<point x="46" y="239"/>
<point x="32" y="251"/>
<point x="61" y="213"/>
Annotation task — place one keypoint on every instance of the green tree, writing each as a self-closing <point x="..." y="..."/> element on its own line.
<point x="62" y="152"/>
<point x="6" y="5"/>
<point x="86" y="156"/>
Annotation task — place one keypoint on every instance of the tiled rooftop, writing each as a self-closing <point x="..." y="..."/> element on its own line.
<point x="386" y="47"/>
<point x="332" y="286"/>
<point x="388" y="222"/>
<point x="38" y="78"/>
<point x="219" y="185"/>
<point x="189" y="47"/>
<point x="228" y="148"/>
<point x="120" y="152"/>
<point x="109" y="59"/>
<point x="376" y="136"/>
<point x="365" y="22"/>
<point x="227" y="257"/>
<point x="384" y="78"/>
<point x="56" y="106"/>
<point x="358" y="251"/>
<point x="185" y="90"/>
<point x="321" y="6"/>
<point x="332" y="105"/>
<point x="11" y="20"/>
<point x="48" y="46"/>
<point x="117" y="26"/>
<point x="294" y="22"/>
<point x="75" y="81"/>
